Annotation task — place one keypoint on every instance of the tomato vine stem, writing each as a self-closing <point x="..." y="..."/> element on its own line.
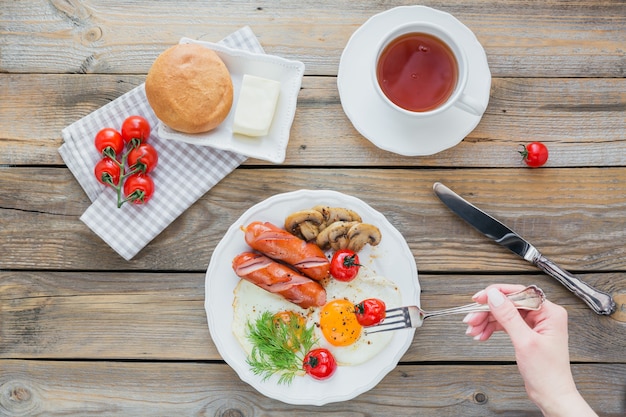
<point x="132" y="144"/>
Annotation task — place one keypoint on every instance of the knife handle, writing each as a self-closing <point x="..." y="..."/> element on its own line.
<point x="599" y="301"/>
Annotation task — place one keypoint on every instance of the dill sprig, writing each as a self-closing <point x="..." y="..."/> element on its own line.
<point x="279" y="346"/>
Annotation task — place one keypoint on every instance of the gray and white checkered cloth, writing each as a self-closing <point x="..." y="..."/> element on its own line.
<point x="184" y="174"/>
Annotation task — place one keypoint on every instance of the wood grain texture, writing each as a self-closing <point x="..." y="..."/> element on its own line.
<point x="40" y="208"/>
<point x="38" y="388"/>
<point x="547" y="39"/>
<point x="161" y="316"/>
<point x="83" y="332"/>
<point x="520" y="110"/>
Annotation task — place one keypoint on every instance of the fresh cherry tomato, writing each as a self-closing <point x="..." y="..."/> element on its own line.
<point x="135" y="127"/>
<point x="138" y="188"/>
<point x="535" y="154"/>
<point x="144" y="157"/>
<point x="344" y="265"/>
<point x="319" y="363"/>
<point x="370" y="311"/>
<point x="107" y="172"/>
<point x="109" y="138"/>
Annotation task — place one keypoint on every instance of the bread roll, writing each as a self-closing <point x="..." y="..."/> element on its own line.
<point x="189" y="88"/>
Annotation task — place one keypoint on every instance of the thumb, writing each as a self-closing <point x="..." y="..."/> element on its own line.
<point x="503" y="310"/>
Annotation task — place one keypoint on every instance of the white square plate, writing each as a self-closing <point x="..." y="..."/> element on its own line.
<point x="271" y="147"/>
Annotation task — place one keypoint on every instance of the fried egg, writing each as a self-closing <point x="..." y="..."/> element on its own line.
<point x="336" y="327"/>
<point x="250" y="302"/>
<point x="341" y="333"/>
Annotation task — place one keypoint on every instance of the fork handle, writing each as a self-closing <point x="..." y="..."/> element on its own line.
<point x="530" y="298"/>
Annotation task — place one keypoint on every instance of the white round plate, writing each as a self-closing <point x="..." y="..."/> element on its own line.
<point x="392" y="258"/>
<point x="376" y="120"/>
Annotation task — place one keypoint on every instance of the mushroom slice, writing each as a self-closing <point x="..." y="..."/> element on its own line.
<point x="305" y="224"/>
<point x="362" y="233"/>
<point x="337" y="214"/>
<point x="334" y="236"/>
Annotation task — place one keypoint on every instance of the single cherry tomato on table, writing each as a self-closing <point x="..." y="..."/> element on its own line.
<point x="535" y="154"/>
<point x="138" y="188"/>
<point x="319" y="363"/>
<point x="107" y="172"/>
<point x="370" y="311"/>
<point x="144" y="157"/>
<point x="109" y="138"/>
<point x="344" y="265"/>
<point x="135" y="127"/>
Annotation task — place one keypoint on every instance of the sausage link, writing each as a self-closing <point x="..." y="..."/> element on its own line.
<point x="281" y="245"/>
<point x="279" y="279"/>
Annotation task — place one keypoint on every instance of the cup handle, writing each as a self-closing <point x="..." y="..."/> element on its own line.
<point x="470" y="105"/>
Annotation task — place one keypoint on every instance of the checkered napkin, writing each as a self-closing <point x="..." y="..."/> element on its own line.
<point x="185" y="172"/>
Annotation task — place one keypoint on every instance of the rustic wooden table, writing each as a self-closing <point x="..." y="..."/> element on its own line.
<point x="83" y="332"/>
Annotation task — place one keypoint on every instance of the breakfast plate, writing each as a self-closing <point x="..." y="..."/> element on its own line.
<point x="376" y="120"/>
<point x="392" y="258"/>
<point x="271" y="147"/>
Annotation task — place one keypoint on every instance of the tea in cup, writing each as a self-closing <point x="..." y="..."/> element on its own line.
<point x="421" y="70"/>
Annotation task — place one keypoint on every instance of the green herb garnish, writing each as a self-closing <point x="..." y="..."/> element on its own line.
<point x="279" y="346"/>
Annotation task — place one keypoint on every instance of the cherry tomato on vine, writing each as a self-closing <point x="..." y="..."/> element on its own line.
<point x="344" y="265"/>
<point x="143" y="157"/>
<point x="138" y="188"/>
<point x="107" y="172"/>
<point x="319" y="363"/>
<point x="535" y="154"/>
<point x="370" y="311"/>
<point x="109" y="138"/>
<point x="135" y="127"/>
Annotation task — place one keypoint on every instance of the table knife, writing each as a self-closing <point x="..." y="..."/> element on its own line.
<point x="599" y="301"/>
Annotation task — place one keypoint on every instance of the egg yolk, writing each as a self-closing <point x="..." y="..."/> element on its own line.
<point x="294" y="324"/>
<point x="339" y="324"/>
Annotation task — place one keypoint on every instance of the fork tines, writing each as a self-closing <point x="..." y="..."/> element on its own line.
<point x="395" y="319"/>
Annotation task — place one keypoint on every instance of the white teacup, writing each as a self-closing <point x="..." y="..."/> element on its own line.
<point x="451" y="91"/>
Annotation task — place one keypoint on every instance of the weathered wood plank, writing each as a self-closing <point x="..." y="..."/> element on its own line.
<point x="161" y="316"/>
<point x="546" y="39"/>
<point x="40" y="208"/>
<point x="83" y="332"/>
<point x="578" y="132"/>
<point x="163" y="389"/>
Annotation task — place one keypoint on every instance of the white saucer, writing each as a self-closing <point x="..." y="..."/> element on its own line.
<point x="376" y="120"/>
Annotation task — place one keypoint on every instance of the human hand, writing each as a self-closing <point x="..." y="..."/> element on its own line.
<point x="540" y="340"/>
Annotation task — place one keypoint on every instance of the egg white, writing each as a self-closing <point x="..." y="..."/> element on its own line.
<point x="250" y="302"/>
<point x="364" y="286"/>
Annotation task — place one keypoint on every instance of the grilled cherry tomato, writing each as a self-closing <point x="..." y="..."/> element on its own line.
<point x="344" y="265"/>
<point x="535" y="154"/>
<point x="109" y="138"/>
<point x="143" y="157"/>
<point x="319" y="363"/>
<point x="370" y="311"/>
<point x="107" y="172"/>
<point x="135" y="127"/>
<point x="138" y="188"/>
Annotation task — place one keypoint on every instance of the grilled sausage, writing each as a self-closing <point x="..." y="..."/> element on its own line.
<point x="280" y="279"/>
<point x="281" y="245"/>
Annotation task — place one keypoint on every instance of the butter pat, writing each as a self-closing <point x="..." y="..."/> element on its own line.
<point x="256" y="106"/>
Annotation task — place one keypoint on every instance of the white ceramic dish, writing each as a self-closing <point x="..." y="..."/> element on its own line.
<point x="239" y="62"/>
<point x="392" y="258"/>
<point x="376" y="120"/>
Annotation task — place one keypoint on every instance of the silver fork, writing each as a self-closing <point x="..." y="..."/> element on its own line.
<point x="530" y="298"/>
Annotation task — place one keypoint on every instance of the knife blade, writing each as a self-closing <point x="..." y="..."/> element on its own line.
<point x="599" y="301"/>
